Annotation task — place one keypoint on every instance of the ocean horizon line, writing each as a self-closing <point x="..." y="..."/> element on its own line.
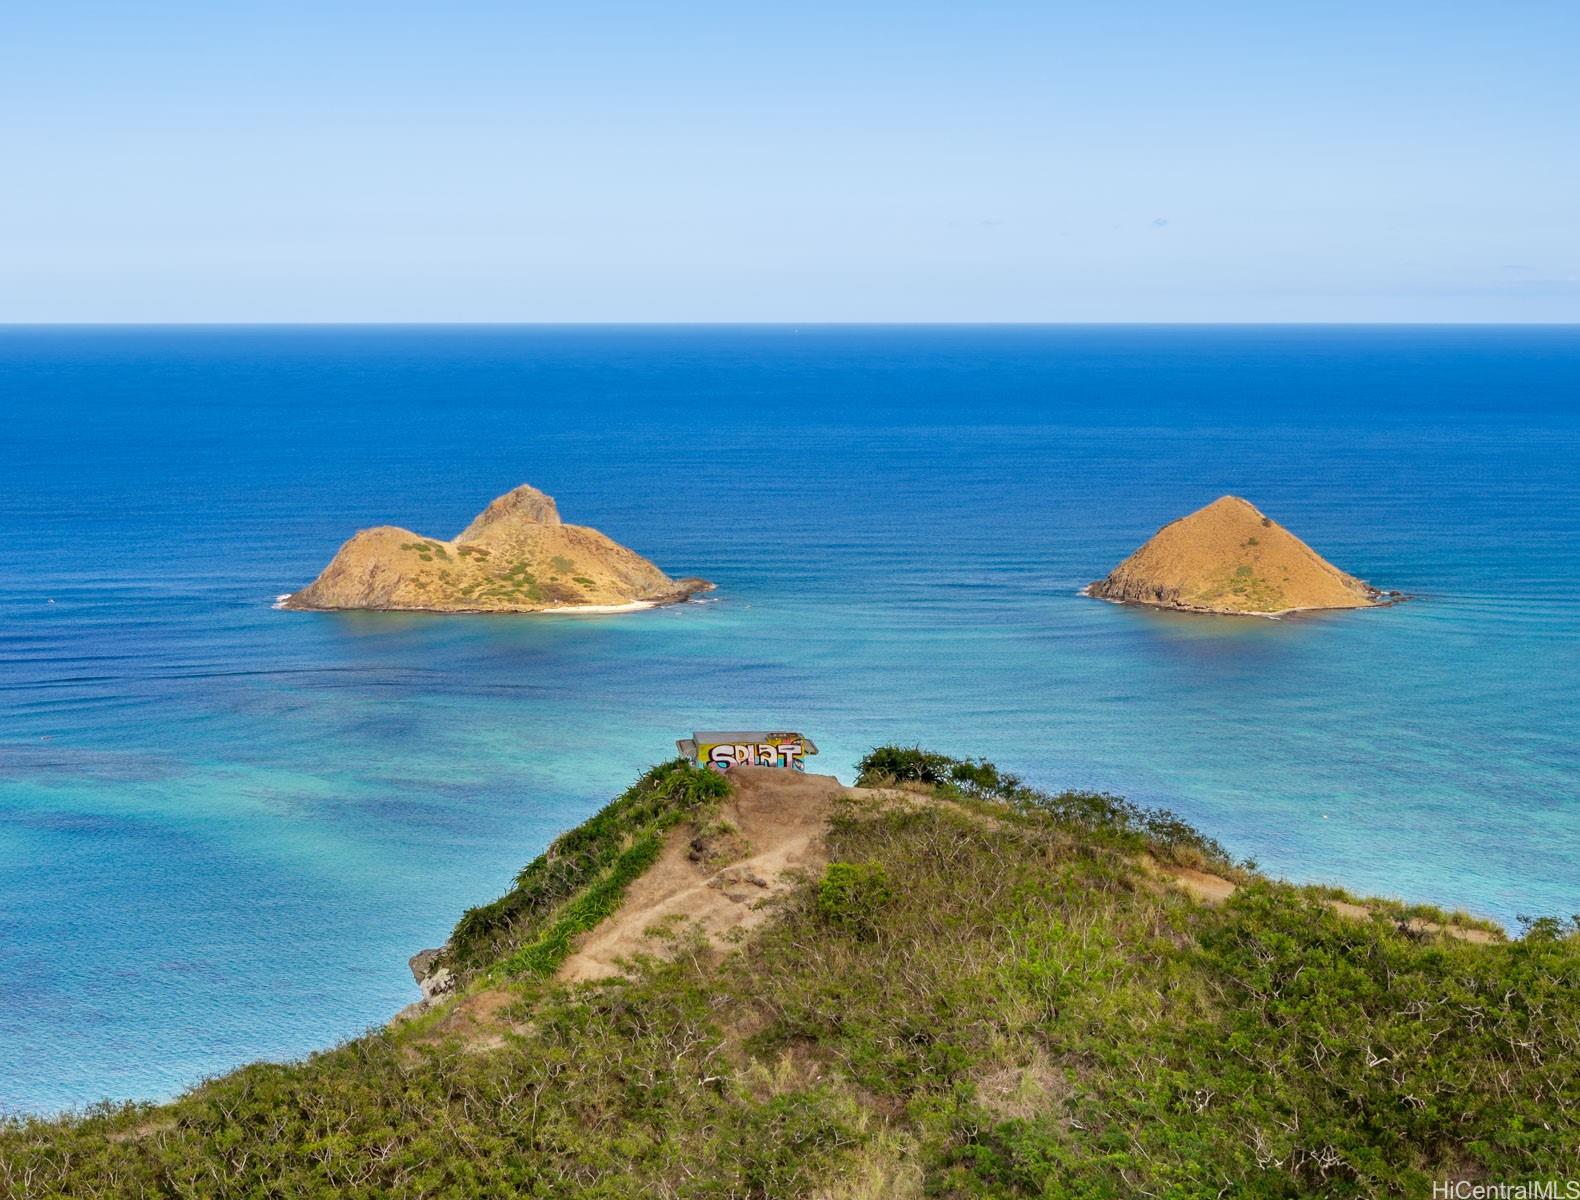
<point x="779" y="324"/>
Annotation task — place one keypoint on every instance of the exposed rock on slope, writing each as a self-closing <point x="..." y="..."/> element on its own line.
<point x="517" y="556"/>
<point x="1230" y="558"/>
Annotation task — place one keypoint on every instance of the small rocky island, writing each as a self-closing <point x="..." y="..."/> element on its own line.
<point x="1230" y="558"/>
<point x="516" y="557"/>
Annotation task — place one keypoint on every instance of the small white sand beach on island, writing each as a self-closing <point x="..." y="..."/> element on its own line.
<point x="598" y="609"/>
<point x="571" y="610"/>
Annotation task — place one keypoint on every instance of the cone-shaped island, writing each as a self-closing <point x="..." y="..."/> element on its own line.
<point x="516" y="557"/>
<point x="1230" y="558"/>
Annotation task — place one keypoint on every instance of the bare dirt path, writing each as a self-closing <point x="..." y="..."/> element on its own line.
<point x="1214" y="889"/>
<point x="780" y="815"/>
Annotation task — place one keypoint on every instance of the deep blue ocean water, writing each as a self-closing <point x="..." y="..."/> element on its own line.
<point x="223" y="828"/>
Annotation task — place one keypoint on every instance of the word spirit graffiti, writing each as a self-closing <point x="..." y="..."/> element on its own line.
<point x="721" y="751"/>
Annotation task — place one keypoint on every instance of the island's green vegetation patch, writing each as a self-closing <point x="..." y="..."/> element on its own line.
<point x="428" y="550"/>
<point x="514" y="584"/>
<point x="1244" y="589"/>
<point x="562" y="564"/>
<point x="984" y="994"/>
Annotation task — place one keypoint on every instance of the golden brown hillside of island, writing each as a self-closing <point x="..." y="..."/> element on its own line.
<point x="517" y="556"/>
<point x="1231" y="558"/>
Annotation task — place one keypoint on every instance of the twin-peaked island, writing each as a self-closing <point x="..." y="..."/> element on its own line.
<point x="516" y="557"/>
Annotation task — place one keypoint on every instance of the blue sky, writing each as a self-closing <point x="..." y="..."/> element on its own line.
<point x="709" y="161"/>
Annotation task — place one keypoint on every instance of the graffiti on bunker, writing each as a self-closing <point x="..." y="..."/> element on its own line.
<point x="721" y="751"/>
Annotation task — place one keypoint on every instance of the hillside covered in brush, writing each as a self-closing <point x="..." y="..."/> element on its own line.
<point x="941" y="982"/>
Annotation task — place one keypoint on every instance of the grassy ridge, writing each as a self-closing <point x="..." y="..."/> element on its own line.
<point x="543" y="955"/>
<point x="983" y="997"/>
<point x="619" y="841"/>
<point x="1112" y="820"/>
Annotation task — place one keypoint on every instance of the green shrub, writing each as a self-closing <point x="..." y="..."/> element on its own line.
<point x="850" y="895"/>
<point x="1155" y="829"/>
<point x="902" y="764"/>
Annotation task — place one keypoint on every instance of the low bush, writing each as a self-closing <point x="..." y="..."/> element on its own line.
<point x="1157" y="830"/>
<point x="850" y="895"/>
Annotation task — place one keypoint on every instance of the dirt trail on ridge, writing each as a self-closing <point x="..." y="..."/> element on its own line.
<point x="780" y="816"/>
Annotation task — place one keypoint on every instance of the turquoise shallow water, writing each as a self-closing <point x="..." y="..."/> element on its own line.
<point x="223" y="828"/>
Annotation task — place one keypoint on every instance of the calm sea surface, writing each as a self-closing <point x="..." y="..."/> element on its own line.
<point x="224" y="828"/>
